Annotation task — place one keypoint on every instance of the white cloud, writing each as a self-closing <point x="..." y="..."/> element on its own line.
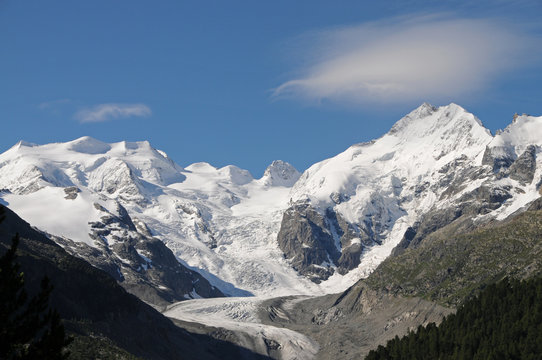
<point x="54" y="103"/>
<point x="106" y="112"/>
<point x="424" y="57"/>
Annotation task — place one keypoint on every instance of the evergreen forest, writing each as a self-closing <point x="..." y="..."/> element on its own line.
<point x="503" y="322"/>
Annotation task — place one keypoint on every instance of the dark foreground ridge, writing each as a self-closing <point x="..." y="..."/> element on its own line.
<point x="105" y="320"/>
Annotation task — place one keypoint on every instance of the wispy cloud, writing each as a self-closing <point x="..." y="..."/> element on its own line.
<point x="424" y="57"/>
<point x="106" y="112"/>
<point x="54" y="103"/>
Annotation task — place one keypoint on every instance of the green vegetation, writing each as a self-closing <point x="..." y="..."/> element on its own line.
<point x="503" y="322"/>
<point x="97" y="347"/>
<point x="450" y="268"/>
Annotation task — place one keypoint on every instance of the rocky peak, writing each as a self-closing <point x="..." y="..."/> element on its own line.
<point x="524" y="130"/>
<point x="516" y="139"/>
<point x="422" y="111"/>
<point x="280" y="173"/>
<point x="428" y="120"/>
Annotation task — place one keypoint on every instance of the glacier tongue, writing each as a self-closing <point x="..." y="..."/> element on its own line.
<point x="230" y="227"/>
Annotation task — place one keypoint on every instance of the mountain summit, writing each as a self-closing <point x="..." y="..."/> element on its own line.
<point x="285" y="233"/>
<point x="280" y="173"/>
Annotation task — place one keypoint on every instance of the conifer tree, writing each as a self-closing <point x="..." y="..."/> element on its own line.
<point x="29" y="329"/>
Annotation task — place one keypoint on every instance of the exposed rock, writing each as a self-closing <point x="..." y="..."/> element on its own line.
<point x="478" y="201"/>
<point x="307" y="242"/>
<point x="338" y="198"/>
<point x="457" y="176"/>
<point x="455" y="262"/>
<point x="409" y="235"/>
<point x="498" y="158"/>
<point x="143" y="265"/>
<point x="484" y="198"/>
<point x="318" y="244"/>
<point x="349" y="325"/>
<point x="350" y="258"/>
<point x="125" y="218"/>
<point x="101" y="314"/>
<point x="379" y="215"/>
<point x="71" y="192"/>
<point x="536" y="205"/>
<point x="351" y="242"/>
<point x="272" y="344"/>
<point x="524" y="167"/>
<point x="280" y="173"/>
<point x="430" y="222"/>
<point x="322" y="317"/>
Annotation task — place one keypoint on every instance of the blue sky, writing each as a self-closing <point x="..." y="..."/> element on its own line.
<point x="245" y="83"/>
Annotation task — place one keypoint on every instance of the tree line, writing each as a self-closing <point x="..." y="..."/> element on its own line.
<point x="503" y="322"/>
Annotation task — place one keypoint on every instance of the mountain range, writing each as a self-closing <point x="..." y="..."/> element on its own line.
<point x="182" y="238"/>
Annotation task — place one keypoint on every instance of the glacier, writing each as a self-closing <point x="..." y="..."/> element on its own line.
<point x="224" y="223"/>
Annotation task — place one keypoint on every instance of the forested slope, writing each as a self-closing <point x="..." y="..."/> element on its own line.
<point x="503" y="322"/>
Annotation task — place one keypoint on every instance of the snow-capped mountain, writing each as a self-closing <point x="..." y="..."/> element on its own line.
<point x="220" y="222"/>
<point x="421" y="175"/>
<point x="286" y="232"/>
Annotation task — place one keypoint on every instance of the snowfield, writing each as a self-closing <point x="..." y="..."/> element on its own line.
<point x="223" y="222"/>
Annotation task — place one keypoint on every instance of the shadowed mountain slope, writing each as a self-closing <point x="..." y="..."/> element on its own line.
<point x="99" y="312"/>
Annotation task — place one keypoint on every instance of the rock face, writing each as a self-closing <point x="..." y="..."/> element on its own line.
<point x="333" y="224"/>
<point x="455" y="262"/>
<point x="318" y="244"/>
<point x="98" y="312"/>
<point x="422" y="284"/>
<point x="349" y="325"/>
<point x="481" y="201"/>
<point x="306" y="241"/>
<point x="523" y="169"/>
<point x="143" y="265"/>
<point x="499" y="158"/>
<point x="434" y="167"/>
<point x="219" y="222"/>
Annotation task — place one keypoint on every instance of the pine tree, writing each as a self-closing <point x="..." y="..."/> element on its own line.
<point x="29" y="329"/>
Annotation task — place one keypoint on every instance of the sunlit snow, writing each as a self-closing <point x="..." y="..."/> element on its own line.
<point x="223" y="223"/>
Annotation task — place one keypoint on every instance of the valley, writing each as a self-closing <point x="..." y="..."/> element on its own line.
<point x="328" y="263"/>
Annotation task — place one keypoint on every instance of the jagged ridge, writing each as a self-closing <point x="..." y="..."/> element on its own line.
<point x="353" y="209"/>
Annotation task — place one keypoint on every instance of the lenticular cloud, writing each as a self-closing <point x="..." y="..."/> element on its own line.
<point x="405" y="59"/>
